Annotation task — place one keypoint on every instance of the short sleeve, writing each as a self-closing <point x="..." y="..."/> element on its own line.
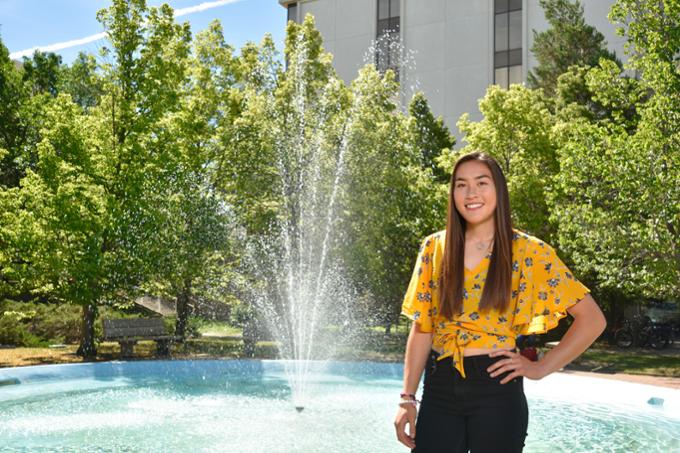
<point x="418" y="301"/>
<point x="553" y="289"/>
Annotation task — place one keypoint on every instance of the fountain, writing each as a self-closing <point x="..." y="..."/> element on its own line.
<point x="303" y="291"/>
<point x="301" y="277"/>
<point x="303" y="294"/>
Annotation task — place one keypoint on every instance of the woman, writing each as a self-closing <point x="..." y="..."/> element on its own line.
<point x="476" y="287"/>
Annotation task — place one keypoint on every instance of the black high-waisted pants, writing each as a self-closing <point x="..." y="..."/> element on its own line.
<point x="476" y="413"/>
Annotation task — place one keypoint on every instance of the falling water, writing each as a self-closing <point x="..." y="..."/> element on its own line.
<point x="306" y="294"/>
<point x="307" y="285"/>
<point x="388" y="52"/>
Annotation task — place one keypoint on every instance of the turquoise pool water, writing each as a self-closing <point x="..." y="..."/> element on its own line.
<point x="244" y="406"/>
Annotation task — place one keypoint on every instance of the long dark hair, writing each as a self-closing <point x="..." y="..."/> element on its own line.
<point x="497" y="290"/>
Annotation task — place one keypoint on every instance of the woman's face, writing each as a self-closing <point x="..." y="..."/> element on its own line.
<point x="474" y="192"/>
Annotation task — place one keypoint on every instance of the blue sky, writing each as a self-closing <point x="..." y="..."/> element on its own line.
<point x="28" y="23"/>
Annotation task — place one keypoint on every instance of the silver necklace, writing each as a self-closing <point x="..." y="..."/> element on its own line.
<point x="480" y="245"/>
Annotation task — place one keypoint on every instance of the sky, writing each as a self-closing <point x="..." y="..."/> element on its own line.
<point x="25" y="24"/>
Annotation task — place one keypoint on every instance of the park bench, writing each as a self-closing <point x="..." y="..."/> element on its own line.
<point x="127" y="332"/>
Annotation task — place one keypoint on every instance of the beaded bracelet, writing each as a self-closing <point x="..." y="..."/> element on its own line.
<point x="412" y="395"/>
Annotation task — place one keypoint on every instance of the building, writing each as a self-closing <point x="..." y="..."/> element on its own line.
<point x="460" y="46"/>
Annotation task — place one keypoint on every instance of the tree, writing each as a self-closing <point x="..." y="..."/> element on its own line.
<point x="377" y="193"/>
<point x="617" y="200"/>
<point x="430" y="135"/>
<point x="569" y="41"/>
<point x="51" y="222"/>
<point x="95" y="200"/>
<point x="12" y="123"/>
<point x="82" y="81"/>
<point x="196" y="221"/>
<point x="42" y="73"/>
<point x="579" y="94"/>
<point x="244" y="152"/>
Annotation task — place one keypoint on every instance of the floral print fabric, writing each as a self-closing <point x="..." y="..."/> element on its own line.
<point x="542" y="290"/>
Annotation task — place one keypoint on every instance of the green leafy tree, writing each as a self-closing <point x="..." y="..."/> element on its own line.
<point x="288" y="120"/>
<point x="96" y="198"/>
<point x="82" y="81"/>
<point x="13" y="97"/>
<point x="245" y="149"/>
<point x="196" y="230"/>
<point x="617" y="199"/>
<point x="376" y="194"/>
<point x="42" y="73"/>
<point x="430" y="135"/>
<point x="50" y="224"/>
<point x="568" y="41"/>
<point x="600" y="93"/>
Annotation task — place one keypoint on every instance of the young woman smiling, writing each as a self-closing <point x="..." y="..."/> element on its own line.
<point x="476" y="286"/>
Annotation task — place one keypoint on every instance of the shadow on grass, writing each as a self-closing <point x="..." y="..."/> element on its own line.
<point x="631" y="362"/>
<point x="371" y="344"/>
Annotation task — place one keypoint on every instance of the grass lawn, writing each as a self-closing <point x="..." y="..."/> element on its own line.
<point x="224" y="342"/>
<point x="644" y="362"/>
<point x="219" y="329"/>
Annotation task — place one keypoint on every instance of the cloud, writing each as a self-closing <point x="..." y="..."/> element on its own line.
<point x="202" y="7"/>
<point x="88" y="39"/>
<point x="58" y="46"/>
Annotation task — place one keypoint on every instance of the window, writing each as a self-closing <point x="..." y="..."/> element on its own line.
<point x="507" y="58"/>
<point x="387" y="36"/>
<point x="293" y="12"/>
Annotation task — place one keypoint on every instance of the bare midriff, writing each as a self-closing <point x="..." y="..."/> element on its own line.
<point x="480" y="351"/>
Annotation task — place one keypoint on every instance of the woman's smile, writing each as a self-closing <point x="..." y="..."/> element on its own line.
<point x="473" y="206"/>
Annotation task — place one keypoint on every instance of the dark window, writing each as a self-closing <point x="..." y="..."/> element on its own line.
<point x="387" y="36"/>
<point x="292" y="12"/>
<point x="507" y="58"/>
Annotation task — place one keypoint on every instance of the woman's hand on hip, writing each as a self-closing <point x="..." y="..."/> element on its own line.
<point x="406" y="415"/>
<point x="517" y="364"/>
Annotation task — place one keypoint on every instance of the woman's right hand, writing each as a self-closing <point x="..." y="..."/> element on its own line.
<point x="406" y="415"/>
<point x="418" y="347"/>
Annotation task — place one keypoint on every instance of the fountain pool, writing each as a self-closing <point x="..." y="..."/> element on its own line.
<point x="246" y="406"/>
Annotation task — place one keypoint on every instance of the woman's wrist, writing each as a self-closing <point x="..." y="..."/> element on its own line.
<point x="543" y="368"/>
<point x="407" y="404"/>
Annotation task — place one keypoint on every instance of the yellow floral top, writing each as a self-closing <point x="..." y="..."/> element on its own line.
<point x="542" y="289"/>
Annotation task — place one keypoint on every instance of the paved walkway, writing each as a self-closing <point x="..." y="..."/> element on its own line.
<point x="662" y="381"/>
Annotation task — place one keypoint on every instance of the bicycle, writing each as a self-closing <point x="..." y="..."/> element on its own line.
<point x="641" y="332"/>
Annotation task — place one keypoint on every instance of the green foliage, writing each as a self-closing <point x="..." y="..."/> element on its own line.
<point x="430" y="135"/>
<point x="378" y="194"/>
<point x="569" y="41"/>
<point x="42" y="73"/>
<point x="12" y="125"/>
<point x="617" y="199"/>
<point x="35" y="324"/>
<point x="82" y="81"/>
<point x="98" y="193"/>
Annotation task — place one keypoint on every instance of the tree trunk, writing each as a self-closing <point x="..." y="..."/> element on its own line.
<point x="183" y="309"/>
<point x="88" y="348"/>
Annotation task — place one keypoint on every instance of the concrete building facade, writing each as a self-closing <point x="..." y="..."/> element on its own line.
<point x="460" y="47"/>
